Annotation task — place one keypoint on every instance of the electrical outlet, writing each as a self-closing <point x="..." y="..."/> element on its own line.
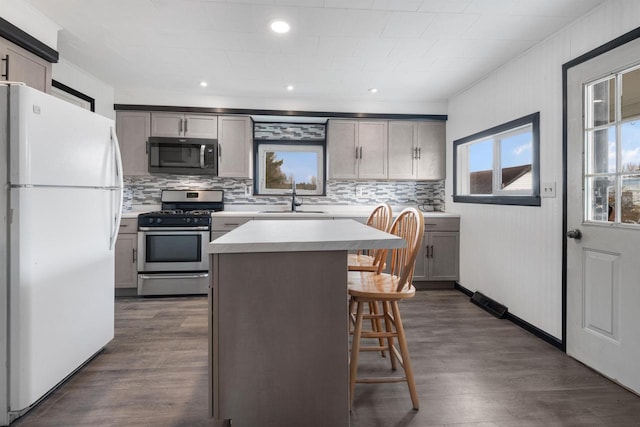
<point x="548" y="189"/>
<point x="359" y="191"/>
<point x="247" y="190"/>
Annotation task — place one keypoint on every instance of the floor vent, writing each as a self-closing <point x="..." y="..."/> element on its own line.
<point x="489" y="305"/>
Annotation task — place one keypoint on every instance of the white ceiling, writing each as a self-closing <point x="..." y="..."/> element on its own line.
<point x="413" y="51"/>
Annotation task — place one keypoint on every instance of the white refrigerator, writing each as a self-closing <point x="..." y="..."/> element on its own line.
<point x="62" y="171"/>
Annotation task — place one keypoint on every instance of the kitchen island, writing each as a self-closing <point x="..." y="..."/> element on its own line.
<point x="278" y="349"/>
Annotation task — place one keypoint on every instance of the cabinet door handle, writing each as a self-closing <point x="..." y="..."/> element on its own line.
<point x="179" y="126"/>
<point x="6" y="67"/>
<point x="360" y="153"/>
<point x="431" y="252"/>
<point x="146" y="147"/>
<point x="415" y="153"/>
<point x="134" y="257"/>
<point x="186" y="124"/>
<point x="219" y="150"/>
<point x="419" y="152"/>
<point x="356" y="153"/>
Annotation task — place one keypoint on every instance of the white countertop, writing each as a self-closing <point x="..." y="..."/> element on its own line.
<point x="327" y="212"/>
<point x="303" y="235"/>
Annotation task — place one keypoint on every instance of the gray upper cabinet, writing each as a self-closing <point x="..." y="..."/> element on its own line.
<point x="20" y="65"/>
<point x="402" y="149"/>
<point x="416" y="150"/>
<point x="235" y="146"/>
<point x="357" y="149"/>
<point x="133" y="128"/>
<point x="184" y="125"/>
<point x="431" y="150"/>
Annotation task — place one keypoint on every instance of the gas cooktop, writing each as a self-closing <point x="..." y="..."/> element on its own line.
<point x="184" y="208"/>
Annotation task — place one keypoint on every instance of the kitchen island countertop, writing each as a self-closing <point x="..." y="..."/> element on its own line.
<point x="309" y="235"/>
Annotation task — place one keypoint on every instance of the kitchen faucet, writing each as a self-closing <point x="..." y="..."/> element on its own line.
<point x="294" y="202"/>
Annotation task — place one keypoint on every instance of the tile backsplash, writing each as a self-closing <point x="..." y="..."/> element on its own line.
<point x="146" y="190"/>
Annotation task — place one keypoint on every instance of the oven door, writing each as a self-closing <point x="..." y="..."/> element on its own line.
<point x="172" y="249"/>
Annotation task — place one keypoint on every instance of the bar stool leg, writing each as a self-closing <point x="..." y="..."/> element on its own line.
<point x="404" y="351"/>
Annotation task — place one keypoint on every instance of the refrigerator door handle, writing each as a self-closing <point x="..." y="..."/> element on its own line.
<point x="119" y="174"/>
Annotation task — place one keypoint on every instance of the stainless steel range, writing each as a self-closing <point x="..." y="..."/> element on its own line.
<point x="172" y="243"/>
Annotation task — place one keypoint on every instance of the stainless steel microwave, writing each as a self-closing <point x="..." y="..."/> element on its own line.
<point x="186" y="156"/>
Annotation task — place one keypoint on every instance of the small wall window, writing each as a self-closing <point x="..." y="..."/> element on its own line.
<point x="499" y="165"/>
<point x="281" y="163"/>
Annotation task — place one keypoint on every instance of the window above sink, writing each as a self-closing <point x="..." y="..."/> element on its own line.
<point x="284" y="156"/>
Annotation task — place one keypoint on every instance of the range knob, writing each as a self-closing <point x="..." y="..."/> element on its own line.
<point x="188" y="220"/>
<point x="159" y="220"/>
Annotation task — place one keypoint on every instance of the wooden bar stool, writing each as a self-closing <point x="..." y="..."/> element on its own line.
<point x="373" y="260"/>
<point x="387" y="289"/>
<point x="370" y="260"/>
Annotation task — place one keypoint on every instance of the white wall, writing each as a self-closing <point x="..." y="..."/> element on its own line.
<point x="289" y="103"/>
<point x="514" y="254"/>
<point x="30" y="20"/>
<point x="78" y="79"/>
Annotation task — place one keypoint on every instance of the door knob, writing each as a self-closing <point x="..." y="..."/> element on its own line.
<point x="574" y="234"/>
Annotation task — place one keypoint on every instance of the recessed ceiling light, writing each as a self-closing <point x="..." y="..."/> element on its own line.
<point x="373" y="90"/>
<point x="289" y="87"/>
<point x="280" y="27"/>
<point x="203" y="84"/>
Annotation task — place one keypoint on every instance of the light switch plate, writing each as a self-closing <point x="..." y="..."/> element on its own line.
<point x="548" y="189"/>
<point x="359" y="190"/>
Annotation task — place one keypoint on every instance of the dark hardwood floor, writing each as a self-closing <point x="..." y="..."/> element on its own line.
<point x="471" y="370"/>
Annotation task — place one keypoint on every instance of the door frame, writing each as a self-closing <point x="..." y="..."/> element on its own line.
<point x="611" y="45"/>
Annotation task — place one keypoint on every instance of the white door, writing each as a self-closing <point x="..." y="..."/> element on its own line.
<point x="603" y="205"/>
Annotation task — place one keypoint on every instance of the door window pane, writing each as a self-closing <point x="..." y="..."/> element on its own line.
<point x="631" y="94"/>
<point x="601" y="103"/>
<point x="601" y="151"/>
<point x="630" y="200"/>
<point x="600" y="196"/>
<point x="630" y="141"/>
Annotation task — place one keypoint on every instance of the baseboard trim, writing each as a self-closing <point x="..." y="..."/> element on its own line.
<point x="522" y="323"/>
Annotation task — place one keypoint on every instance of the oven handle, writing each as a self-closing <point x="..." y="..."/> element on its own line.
<point x="173" y="276"/>
<point x="162" y="229"/>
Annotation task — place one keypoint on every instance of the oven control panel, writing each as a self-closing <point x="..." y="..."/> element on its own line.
<point x="173" y="221"/>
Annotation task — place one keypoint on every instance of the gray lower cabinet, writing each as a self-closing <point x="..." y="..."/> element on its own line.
<point x="20" y="65"/>
<point x="439" y="255"/>
<point x="126" y="253"/>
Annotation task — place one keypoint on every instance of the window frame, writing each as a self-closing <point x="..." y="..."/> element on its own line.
<point x="319" y="146"/>
<point x="501" y="197"/>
